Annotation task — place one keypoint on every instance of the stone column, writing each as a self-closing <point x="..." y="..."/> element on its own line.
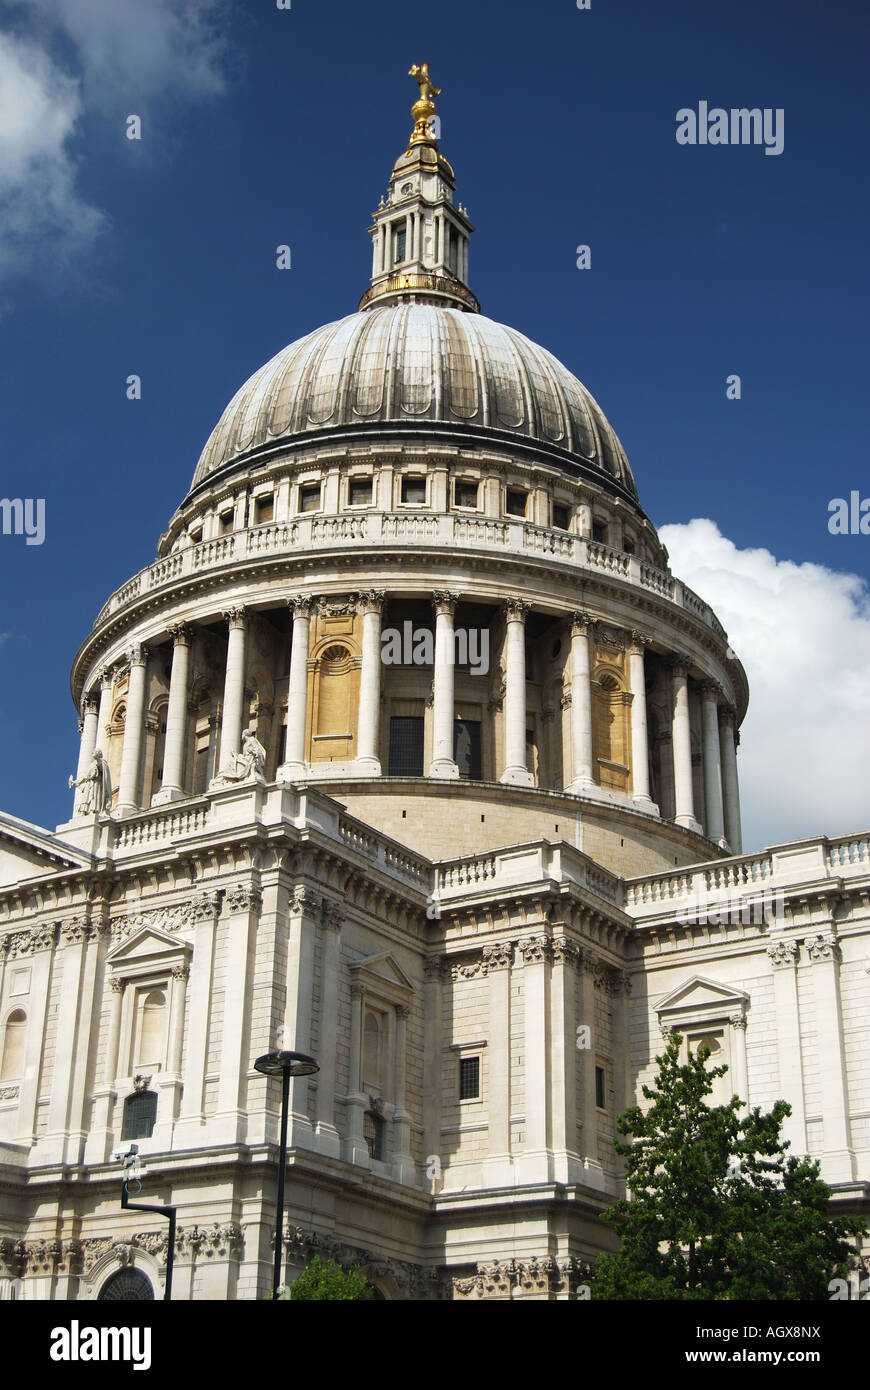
<point x="581" y="703"/>
<point x="228" y="1124"/>
<point x="368" y="728"/>
<point x="168" y="1083"/>
<point x="293" y="766"/>
<point x="41" y="961"/>
<point x="433" y="1008"/>
<point x="443" y="764"/>
<point x="790" y="1085"/>
<point x="403" y="1162"/>
<point x="838" y="1159"/>
<point x="104" y="1095"/>
<point x="172" y="787"/>
<point x="234" y="690"/>
<point x="728" y="740"/>
<point x="107" y="681"/>
<point x="639" y="738"/>
<point x="305" y="907"/>
<point x="683" y="791"/>
<point x="88" y="727"/>
<point x="71" y="1058"/>
<point x="130" y="779"/>
<point x="564" y="1056"/>
<point x="593" y="1175"/>
<point x="356" y="1149"/>
<point x="714" y="822"/>
<point x="205" y="910"/>
<point x="515" y="769"/>
<point x="740" y="1070"/>
<point x="328" y="1140"/>
<point x="498" y="1164"/>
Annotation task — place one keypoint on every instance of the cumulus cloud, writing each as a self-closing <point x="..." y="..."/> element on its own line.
<point x="62" y="59"/>
<point x="803" y="634"/>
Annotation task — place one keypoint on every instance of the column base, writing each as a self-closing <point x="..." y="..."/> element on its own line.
<point x="689" y="823"/>
<point x="167" y="794"/>
<point x="291" y="772"/>
<point x="367" y="767"/>
<point x="645" y="804"/>
<point x="443" y="767"/>
<point x="328" y="1140"/>
<point x="581" y="786"/>
<point x="517" y="777"/>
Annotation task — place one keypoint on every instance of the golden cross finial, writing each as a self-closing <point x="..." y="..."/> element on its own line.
<point x="424" y="109"/>
<point x="427" y="88"/>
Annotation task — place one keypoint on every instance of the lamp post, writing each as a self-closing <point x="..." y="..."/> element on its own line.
<point x="285" y="1065"/>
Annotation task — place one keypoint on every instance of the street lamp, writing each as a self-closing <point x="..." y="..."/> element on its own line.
<point x="285" y="1065"/>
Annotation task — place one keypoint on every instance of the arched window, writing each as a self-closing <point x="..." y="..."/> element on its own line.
<point x="12" y="1067"/>
<point x="128" y="1284"/>
<point x="373" y="1133"/>
<point x="150" y="1029"/>
<point x="140" y="1113"/>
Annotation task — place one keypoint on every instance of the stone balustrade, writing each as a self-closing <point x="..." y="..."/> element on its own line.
<point x="445" y="530"/>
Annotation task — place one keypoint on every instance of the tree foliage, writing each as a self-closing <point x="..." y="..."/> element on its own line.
<point x="717" y="1208"/>
<point x="328" y="1281"/>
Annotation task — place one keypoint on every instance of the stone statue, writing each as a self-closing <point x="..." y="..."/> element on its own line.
<point x="94" y="787"/>
<point x="250" y="762"/>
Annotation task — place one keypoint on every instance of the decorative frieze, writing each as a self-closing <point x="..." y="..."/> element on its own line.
<point x="822" y="947"/>
<point x="304" y="899"/>
<point x="8" y="1093"/>
<point x="536" y="950"/>
<point x="783" y="953"/>
<point x="244" y="897"/>
<point x="537" y="1277"/>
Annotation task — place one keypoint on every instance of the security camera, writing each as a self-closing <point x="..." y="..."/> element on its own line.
<point x="126" y="1155"/>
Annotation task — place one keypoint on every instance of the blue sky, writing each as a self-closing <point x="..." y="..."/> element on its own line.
<point x="264" y="126"/>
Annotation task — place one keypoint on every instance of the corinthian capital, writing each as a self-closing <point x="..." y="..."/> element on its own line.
<point x="515" y="609"/>
<point x="444" y="602"/>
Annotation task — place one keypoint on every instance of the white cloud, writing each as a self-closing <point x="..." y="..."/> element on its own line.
<point x="64" y="59"/>
<point x="803" y="634"/>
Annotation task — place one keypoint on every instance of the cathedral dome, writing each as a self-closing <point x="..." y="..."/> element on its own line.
<point x="425" y="365"/>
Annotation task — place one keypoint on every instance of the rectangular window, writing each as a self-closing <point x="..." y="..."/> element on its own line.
<point x="406" y="746"/>
<point x="600" y="1099"/>
<point x="599" y="532"/>
<point x="264" y="509"/>
<point x="515" y="502"/>
<point x="628" y="545"/>
<point x="469" y="1078"/>
<point x="464" y="494"/>
<point x="414" y="490"/>
<point x="359" y="492"/>
<point x="309" y="497"/>
<point x="399" y="244"/>
<point x="561" y="516"/>
<point x="225" y="521"/>
<point x="196" y="536"/>
<point x="466" y="748"/>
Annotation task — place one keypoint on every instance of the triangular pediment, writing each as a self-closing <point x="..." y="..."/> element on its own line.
<point x="144" y="945"/>
<point x="384" y="969"/>
<point x="27" y="851"/>
<point x="700" y="996"/>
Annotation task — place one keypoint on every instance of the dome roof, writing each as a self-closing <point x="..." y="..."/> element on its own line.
<point x="405" y="364"/>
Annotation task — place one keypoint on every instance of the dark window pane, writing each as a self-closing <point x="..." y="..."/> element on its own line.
<point x="469" y="1078"/>
<point x="373" y="1133"/>
<point x="466" y="748"/>
<point x="561" y="517"/>
<point x="599" y="1087"/>
<point x="515" y="503"/>
<point x="414" y="490"/>
<point x="140" y="1112"/>
<point x="309" y="498"/>
<point x="360" y="491"/>
<point x="401" y="237"/>
<point x="406" y="747"/>
<point x="599" y="532"/>
<point x="465" y="494"/>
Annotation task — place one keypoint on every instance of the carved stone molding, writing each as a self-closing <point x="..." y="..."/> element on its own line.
<point x="167" y="919"/>
<point x="580" y="624"/>
<point x="566" y="952"/>
<point x="180" y="972"/>
<point x="498" y="956"/>
<point x="300" y="605"/>
<point x="181" y="634"/>
<point x="737" y="1021"/>
<point x="370" y="600"/>
<point x="822" y="947"/>
<point x="9" y="1092"/>
<point x="333" y="915"/>
<point x="141" y="1083"/>
<point x="235" y="617"/>
<point x="305" y="899"/>
<point x="205" y="905"/>
<point x="543" y="1275"/>
<point x="75" y="930"/>
<point x="783" y="953"/>
<point x="244" y="897"/>
<point x="38" y="938"/>
<point x="336" y="605"/>
<point x="535" y="950"/>
<point x="611" y="637"/>
<point x="433" y="967"/>
<point x="515" y="610"/>
<point x="444" y="601"/>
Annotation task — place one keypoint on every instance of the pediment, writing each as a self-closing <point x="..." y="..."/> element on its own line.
<point x="701" y="996"/>
<point x="383" y="971"/>
<point x="146" y="945"/>
<point x="27" y="851"/>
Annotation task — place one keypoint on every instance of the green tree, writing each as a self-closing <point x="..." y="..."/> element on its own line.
<point x="329" y="1281"/>
<point x="717" y="1209"/>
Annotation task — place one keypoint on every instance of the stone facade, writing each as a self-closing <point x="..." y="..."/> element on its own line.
<point x="479" y="892"/>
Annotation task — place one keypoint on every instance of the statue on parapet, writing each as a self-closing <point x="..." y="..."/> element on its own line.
<point x="247" y="765"/>
<point x="94" y="787"/>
